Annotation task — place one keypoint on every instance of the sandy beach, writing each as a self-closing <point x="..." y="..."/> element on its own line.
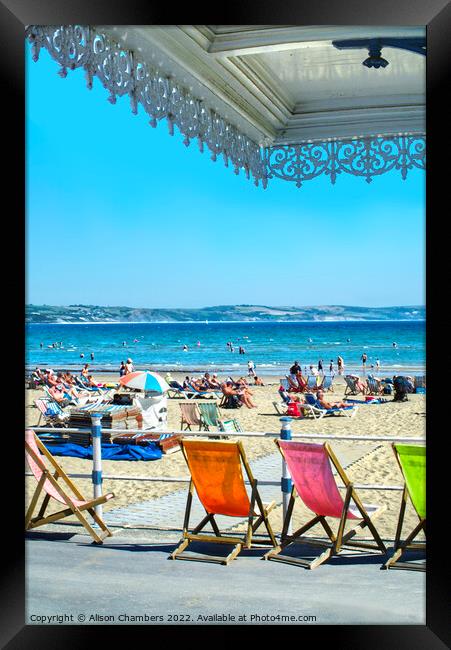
<point x="375" y="465"/>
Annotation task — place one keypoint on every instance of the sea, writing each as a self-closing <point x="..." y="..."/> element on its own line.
<point x="202" y="346"/>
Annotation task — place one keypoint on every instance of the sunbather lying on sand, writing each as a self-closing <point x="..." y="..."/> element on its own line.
<point x="329" y="405"/>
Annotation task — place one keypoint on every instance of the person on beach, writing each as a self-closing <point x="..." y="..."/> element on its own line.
<point x="258" y="381"/>
<point x="331" y="367"/>
<point x="313" y="371"/>
<point x="59" y="395"/>
<point x="295" y="368"/>
<point x="214" y="383"/>
<point x="359" y="384"/>
<point x="328" y="405"/>
<point x="378" y="365"/>
<point x="251" y="369"/>
<point x="364" y="358"/>
<point x="340" y="365"/>
<point x="85" y="370"/>
<point x="122" y="370"/>
<point x="128" y="367"/>
<point x="92" y="356"/>
<point x="320" y="367"/>
<point x="243" y="394"/>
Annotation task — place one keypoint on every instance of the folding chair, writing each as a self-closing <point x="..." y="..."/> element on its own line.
<point x="310" y="467"/>
<point x="217" y="476"/>
<point x="190" y="416"/>
<point x="412" y="462"/>
<point x="327" y="382"/>
<point x="351" y="386"/>
<point x="312" y="406"/>
<point x="210" y="414"/>
<point x="312" y="383"/>
<point x="52" y="413"/>
<point x="373" y="386"/>
<point x="37" y="455"/>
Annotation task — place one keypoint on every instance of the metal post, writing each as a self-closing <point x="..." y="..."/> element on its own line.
<point x="285" y="434"/>
<point x="96" y="429"/>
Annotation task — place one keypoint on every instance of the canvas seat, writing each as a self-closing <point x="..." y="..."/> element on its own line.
<point x="190" y="416"/>
<point x="310" y="467"/>
<point x="216" y="470"/>
<point x="65" y="492"/>
<point x="412" y="463"/>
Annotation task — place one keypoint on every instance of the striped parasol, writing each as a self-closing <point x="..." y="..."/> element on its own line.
<point x="145" y="380"/>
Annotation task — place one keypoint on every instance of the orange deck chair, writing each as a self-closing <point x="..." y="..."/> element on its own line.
<point x="309" y="465"/>
<point x="37" y="454"/>
<point x="216" y="474"/>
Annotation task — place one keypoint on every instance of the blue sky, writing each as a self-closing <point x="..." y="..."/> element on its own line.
<point x="119" y="213"/>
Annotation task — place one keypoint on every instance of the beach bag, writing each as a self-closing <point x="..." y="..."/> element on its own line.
<point x="293" y="409"/>
<point x="387" y="390"/>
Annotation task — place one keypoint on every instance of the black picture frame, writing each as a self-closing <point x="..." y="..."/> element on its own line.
<point x="14" y="16"/>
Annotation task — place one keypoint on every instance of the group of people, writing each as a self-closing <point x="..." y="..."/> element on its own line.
<point x="126" y="368"/>
<point x="63" y="387"/>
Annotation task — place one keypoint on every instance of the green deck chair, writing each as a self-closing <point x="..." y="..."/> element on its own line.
<point x="210" y="415"/>
<point x="412" y="462"/>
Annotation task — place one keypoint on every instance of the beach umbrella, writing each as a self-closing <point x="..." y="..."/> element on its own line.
<point x="146" y="381"/>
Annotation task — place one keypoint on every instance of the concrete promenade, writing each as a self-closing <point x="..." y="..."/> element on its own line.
<point x="129" y="580"/>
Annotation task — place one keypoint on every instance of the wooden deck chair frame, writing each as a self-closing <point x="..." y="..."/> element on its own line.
<point x="337" y="541"/>
<point x="187" y="424"/>
<point x="40" y="519"/>
<point x="408" y="544"/>
<point x="254" y="522"/>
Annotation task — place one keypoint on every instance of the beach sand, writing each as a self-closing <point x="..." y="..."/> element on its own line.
<point x="375" y="465"/>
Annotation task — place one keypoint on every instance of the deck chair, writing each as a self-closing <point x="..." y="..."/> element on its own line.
<point x="38" y="457"/>
<point x="190" y="416"/>
<point x="217" y="476"/>
<point x="327" y="382"/>
<point x="351" y="386"/>
<point x="312" y="383"/>
<point x="52" y="413"/>
<point x="310" y="467"/>
<point x="412" y="462"/>
<point x="313" y="407"/>
<point x="373" y="386"/>
<point x="229" y="425"/>
<point x="203" y="393"/>
<point x="209" y="413"/>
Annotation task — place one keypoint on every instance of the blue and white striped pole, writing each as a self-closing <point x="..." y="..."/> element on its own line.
<point x="285" y="434"/>
<point x="96" y="429"/>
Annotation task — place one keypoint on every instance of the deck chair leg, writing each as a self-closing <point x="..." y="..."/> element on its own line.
<point x="96" y="537"/>
<point x="403" y="546"/>
<point x="33" y="502"/>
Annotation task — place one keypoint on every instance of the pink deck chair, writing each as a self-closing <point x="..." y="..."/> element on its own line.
<point x="38" y="456"/>
<point x="311" y="471"/>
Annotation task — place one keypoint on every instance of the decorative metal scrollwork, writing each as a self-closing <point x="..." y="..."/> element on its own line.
<point x="365" y="157"/>
<point x="121" y="72"/>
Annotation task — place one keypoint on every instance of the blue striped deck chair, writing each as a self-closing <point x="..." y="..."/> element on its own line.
<point x="373" y="386"/>
<point x="351" y="388"/>
<point x="327" y="383"/>
<point x="312" y="382"/>
<point x="51" y="411"/>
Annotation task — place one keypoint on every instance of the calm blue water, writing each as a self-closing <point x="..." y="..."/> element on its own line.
<point x="272" y="346"/>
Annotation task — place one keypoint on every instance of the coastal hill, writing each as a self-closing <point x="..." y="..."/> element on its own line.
<point x="96" y="314"/>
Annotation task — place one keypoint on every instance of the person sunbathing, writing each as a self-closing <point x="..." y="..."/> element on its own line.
<point x="242" y="393"/>
<point x="359" y="384"/>
<point x="214" y="383"/>
<point x="301" y="381"/>
<point x="293" y="386"/>
<point x="258" y="381"/>
<point x="329" y="405"/>
<point x="59" y="395"/>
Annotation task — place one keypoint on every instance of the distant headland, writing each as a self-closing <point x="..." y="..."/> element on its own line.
<point x="224" y="313"/>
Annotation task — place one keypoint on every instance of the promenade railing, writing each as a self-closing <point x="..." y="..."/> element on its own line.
<point x="285" y="433"/>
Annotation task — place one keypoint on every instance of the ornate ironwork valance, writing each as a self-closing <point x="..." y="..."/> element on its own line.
<point x="365" y="157"/>
<point x="122" y="72"/>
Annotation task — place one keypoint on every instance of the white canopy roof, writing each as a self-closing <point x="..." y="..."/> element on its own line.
<point x="255" y="93"/>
